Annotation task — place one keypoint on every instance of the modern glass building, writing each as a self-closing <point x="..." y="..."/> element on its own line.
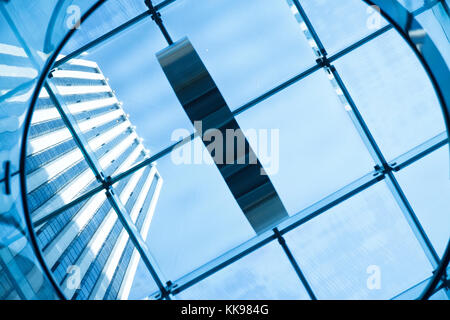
<point x="349" y="199"/>
<point x="86" y="247"/>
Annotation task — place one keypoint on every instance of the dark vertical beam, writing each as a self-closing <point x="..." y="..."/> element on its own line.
<point x="233" y="155"/>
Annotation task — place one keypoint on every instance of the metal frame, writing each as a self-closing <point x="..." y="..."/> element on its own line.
<point x="384" y="170"/>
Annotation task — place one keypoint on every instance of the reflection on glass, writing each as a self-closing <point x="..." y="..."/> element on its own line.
<point x="248" y="47"/>
<point x="393" y="94"/>
<point x="361" y="249"/>
<point x="21" y="277"/>
<point x="139" y="82"/>
<point x="252" y="277"/>
<point x="111" y="14"/>
<point x="197" y="218"/>
<point x="341" y="23"/>
<point x="317" y="149"/>
<point x="426" y="185"/>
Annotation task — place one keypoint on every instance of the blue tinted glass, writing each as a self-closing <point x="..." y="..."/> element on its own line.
<point x="248" y="47"/>
<point x="252" y="277"/>
<point x="436" y="23"/>
<point x="111" y="14"/>
<point x="361" y="249"/>
<point x="317" y="150"/>
<point x="341" y="23"/>
<point x="196" y="218"/>
<point x="139" y="82"/>
<point x="393" y="94"/>
<point x="426" y="185"/>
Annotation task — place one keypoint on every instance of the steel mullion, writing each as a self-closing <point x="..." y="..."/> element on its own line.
<point x="136" y="238"/>
<point x="110" y="34"/>
<point x="69" y="205"/>
<point x="76" y="133"/>
<point x="292" y="222"/>
<point x="397" y="192"/>
<point x="101" y="39"/>
<point x="237" y="111"/>
<point x="419" y="152"/>
<point x="375" y="151"/>
<point x="294" y="264"/>
<point x="394" y="187"/>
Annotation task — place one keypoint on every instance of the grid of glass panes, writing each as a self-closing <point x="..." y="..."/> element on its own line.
<point x="417" y="154"/>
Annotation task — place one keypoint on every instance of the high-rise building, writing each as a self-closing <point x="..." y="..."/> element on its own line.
<point x="86" y="247"/>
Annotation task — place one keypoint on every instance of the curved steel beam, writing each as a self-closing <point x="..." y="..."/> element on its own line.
<point x="23" y="151"/>
<point x="433" y="62"/>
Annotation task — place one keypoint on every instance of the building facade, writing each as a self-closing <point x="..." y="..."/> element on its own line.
<point x="86" y="246"/>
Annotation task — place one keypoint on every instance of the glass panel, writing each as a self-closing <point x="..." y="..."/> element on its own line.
<point x="393" y="93"/>
<point x="83" y="246"/>
<point x="56" y="171"/>
<point x="319" y="150"/>
<point x="361" y="249"/>
<point x="426" y="184"/>
<point x="342" y="23"/>
<point x="230" y="37"/>
<point x="440" y="295"/>
<point x="252" y="278"/>
<point x="52" y="18"/>
<point x="412" y="5"/>
<point x="196" y="218"/>
<point x="143" y="286"/>
<point x="140" y="84"/>
<point x="21" y="276"/>
<point x="17" y="81"/>
<point x="139" y="195"/>
<point x="436" y="23"/>
<point x="110" y="15"/>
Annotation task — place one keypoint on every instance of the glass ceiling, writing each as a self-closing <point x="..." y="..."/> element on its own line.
<point x="360" y="160"/>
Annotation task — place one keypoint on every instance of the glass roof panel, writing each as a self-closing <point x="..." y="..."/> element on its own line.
<point x="342" y="250"/>
<point x="111" y="14"/>
<point x="425" y="183"/>
<point x="248" y="47"/>
<point x="341" y="23"/>
<point x="252" y="278"/>
<point x="196" y="217"/>
<point x="318" y="151"/>
<point x="437" y="25"/>
<point x="139" y="83"/>
<point x="143" y="284"/>
<point x="17" y="79"/>
<point x="393" y="94"/>
<point x="412" y="5"/>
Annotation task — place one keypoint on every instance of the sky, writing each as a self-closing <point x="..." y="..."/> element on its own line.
<point x="249" y="47"/>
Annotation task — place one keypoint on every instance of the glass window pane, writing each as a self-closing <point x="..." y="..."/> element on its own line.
<point x="143" y="285"/>
<point x="196" y="217"/>
<point x="435" y="21"/>
<point x="426" y="184"/>
<point x="248" y="47"/>
<point x="341" y="23"/>
<point x="318" y="152"/>
<point x="252" y="277"/>
<point x="361" y="249"/>
<point x="21" y="276"/>
<point x="110" y="15"/>
<point x="393" y="94"/>
<point x="141" y="87"/>
<point x="411" y="5"/>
